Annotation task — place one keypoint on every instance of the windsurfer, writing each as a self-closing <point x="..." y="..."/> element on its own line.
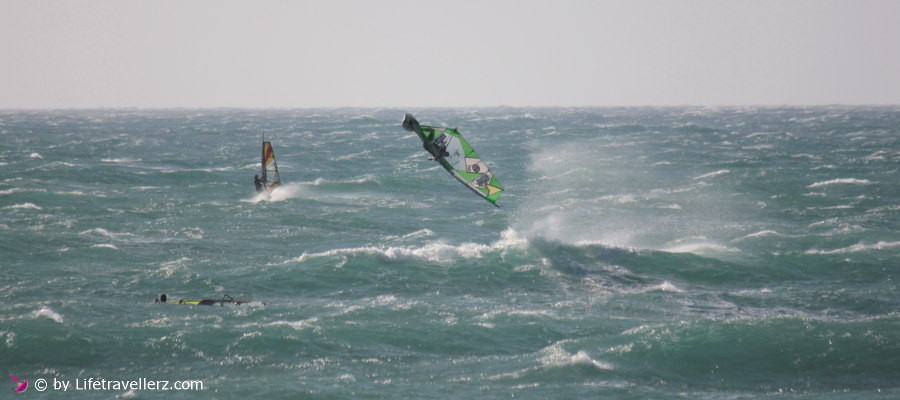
<point x="163" y="299"/>
<point x="437" y="150"/>
<point x="258" y="182"/>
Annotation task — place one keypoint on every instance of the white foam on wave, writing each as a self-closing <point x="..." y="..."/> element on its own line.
<point x="294" y="190"/>
<point x="161" y="322"/>
<point x="285" y="192"/>
<point x="79" y="193"/>
<point x="892" y="207"/>
<point x="57" y="164"/>
<point x="120" y="160"/>
<point x="425" y="232"/>
<point x="556" y="356"/>
<point x="168" y="268"/>
<point x="351" y="156"/>
<point x="105" y="246"/>
<point x="434" y="252"/>
<point x="619" y="199"/>
<point x="762" y="233"/>
<point x="696" y="245"/>
<point x="666" y="286"/>
<point x="27" y="206"/>
<point x="856" y="248"/>
<point x="103" y="232"/>
<point x="838" y="207"/>
<point x="668" y="206"/>
<point x="36" y="155"/>
<point x="47" y="312"/>
<point x="296" y="325"/>
<point x="841" y="181"/>
<point x="712" y="174"/>
<point x="281" y="193"/>
<point x="357" y="181"/>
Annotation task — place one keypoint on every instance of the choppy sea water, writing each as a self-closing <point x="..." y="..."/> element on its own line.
<point x="664" y="253"/>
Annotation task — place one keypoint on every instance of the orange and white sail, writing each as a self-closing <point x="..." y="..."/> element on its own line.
<point x="270" y="177"/>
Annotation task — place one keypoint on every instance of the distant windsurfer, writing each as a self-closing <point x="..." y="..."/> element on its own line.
<point x="258" y="182"/>
<point x="162" y="298"/>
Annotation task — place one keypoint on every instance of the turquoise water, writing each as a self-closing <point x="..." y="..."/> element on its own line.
<point x="664" y="253"/>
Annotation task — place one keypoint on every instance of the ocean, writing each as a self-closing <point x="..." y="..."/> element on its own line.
<point x="640" y="253"/>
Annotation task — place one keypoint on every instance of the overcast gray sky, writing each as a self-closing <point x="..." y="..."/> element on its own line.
<point x="333" y="53"/>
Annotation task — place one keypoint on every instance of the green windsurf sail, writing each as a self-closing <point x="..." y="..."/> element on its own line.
<point x="455" y="154"/>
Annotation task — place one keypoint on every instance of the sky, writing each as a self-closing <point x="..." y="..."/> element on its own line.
<point x="449" y="53"/>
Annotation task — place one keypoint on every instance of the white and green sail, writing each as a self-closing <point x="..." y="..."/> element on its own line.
<point x="455" y="154"/>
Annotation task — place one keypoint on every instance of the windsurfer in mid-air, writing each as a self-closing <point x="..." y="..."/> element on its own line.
<point x="438" y="147"/>
<point x="258" y="183"/>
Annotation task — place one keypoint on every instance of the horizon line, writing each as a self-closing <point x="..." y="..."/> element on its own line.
<point x="685" y="105"/>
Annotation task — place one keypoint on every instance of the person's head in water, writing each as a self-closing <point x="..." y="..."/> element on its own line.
<point x="162" y="298"/>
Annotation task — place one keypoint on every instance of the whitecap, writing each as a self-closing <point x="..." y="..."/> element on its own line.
<point x="419" y="233"/>
<point x="29" y="206"/>
<point x="434" y="252"/>
<point x="437" y="252"/>
<point x="668" y="206"/>
<point x="119" y="160"/>
<point x="103" y="232"/>
<point x="695" y="245"/>
<point x="856" y="248"/>
<point x="583" y="358"/>
<point x="351" y="156"/>
<point x="838" y="207"/>
<point x="620" y="199"/>
<point x="556" y="356"/>
<point x="841" y="181"/>
<point x="712" y="174"/>
<point x="666" y="286"/>
<point x="46" y="312"/>
<point x="36" y="155"/>
<point x="296" y="325"/>
<point x="762" y="233"/>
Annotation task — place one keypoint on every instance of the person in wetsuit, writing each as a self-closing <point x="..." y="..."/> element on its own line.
<point x="163" y="299"/>
<point x="258" y="183"/>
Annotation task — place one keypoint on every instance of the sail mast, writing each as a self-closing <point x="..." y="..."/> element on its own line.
<point x="262" y="162"/>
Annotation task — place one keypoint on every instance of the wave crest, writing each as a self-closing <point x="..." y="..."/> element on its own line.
<point x="841" y="181"/>
<point x="434" y="252"/>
